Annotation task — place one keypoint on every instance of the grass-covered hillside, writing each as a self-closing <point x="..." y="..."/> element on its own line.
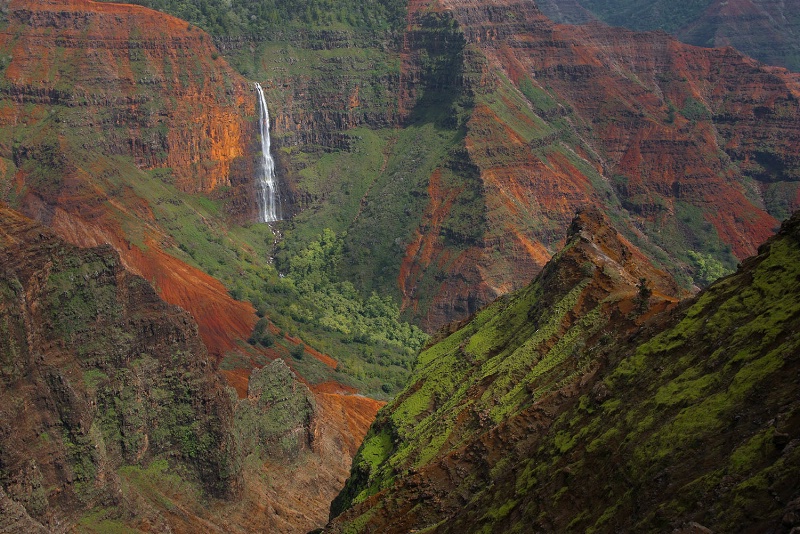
<point x="558" y="411"/>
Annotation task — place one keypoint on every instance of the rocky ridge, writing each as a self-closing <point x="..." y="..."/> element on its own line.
<point x="547" y="412"/>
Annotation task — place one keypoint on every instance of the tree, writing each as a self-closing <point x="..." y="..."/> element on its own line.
<point x="643" y="297"/>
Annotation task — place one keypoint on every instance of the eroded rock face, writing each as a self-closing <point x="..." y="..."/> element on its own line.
<point x="143" y="84"/>
<point x="274" y="420"/>
<point x="88" y="87"/>
<point x="689" y="146"/>
<point x="14" y="517"/>
<point x="98" y="372"/>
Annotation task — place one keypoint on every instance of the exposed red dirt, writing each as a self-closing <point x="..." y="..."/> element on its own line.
<point x="346" y="416"/>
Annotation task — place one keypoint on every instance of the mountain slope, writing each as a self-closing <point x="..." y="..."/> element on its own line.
<point x="114" y="414"/>
<point x="764" y="29"/>
<point x="687" y="415"/>
<point x="94" y="92"/>
<point x="508" y="124"/>
<point x="98" y="372"/>
<point x="124" y="126"/>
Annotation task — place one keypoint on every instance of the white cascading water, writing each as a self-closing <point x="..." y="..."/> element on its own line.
<point x="268" y="198"/>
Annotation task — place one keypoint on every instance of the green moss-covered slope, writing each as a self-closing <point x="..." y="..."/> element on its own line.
<point x="645" y="421"/>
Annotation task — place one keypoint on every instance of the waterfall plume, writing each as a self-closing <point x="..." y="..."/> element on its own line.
<point x="269" y="203"/>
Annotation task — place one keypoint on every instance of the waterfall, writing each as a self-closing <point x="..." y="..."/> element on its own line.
<point x="269" y="202"/>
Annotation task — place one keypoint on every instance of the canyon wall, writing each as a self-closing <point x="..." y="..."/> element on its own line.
<point x="687" y="148"/>
<point x="98" y="372"/>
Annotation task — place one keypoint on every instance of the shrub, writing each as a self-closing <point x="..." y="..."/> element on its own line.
<point x="298" y="351"/>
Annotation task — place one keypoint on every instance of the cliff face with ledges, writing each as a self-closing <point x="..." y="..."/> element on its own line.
<point x="98" y="372"/>
<point x="143" y="84"/>
<point x="670" y="136"/>
<point x="114" y="413"/>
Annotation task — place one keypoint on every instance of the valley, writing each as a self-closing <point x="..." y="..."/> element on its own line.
<point x="375" y="240"/>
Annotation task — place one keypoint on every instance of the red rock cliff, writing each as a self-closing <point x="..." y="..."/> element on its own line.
<point x="153" y="85"/>
<point x="689" y="145"/>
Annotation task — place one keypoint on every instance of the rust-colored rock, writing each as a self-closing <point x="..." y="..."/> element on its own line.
<point x="148" y="81"/>
<point x="669" y="136"/>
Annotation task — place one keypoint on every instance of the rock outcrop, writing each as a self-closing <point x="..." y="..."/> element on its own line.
<point x="98" y="372"/>
<point x="591" y="401"/>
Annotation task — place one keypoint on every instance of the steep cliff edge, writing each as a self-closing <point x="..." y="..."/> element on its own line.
<point x="547" y="412"/>
<point x="114" y="415"/>
<point x="98" y="372"/>
<point x="125" y="126"/>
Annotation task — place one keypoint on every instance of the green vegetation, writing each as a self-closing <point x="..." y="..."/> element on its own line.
<point x="520" y="348"/>
<point x="694" y="110"/>
<point x="257" y="18"/>
<point x="647" y="14"/>
<point x="102" y="521"/>
<point x="698" y="409"/>
<point x="160" y="482"/>
<point x="266" y="422"/>
<point x="706" y="268"/>
<point x="354" y="321"/>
